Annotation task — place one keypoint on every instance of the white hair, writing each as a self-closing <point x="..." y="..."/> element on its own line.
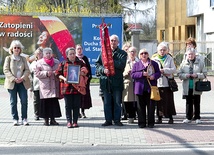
<point x="15" y="43"/>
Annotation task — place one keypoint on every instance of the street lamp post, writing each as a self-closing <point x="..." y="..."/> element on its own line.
<point x="135" y="3"/>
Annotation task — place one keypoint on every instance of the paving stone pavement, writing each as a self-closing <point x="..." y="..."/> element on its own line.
<point x="91" y="132"/>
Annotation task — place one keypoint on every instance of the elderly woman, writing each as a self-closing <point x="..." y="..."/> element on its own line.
<point x="38" y="54"/>
<point x="143" y="72"/>
<point x="71" y="95"/>
<point x="17" y="80"/>
<point x="48" y="87"/>
<point x="166" y="106"/>
<point x="129" y="98"/>
<point x="86" y="102"/>
<point x="190" y="71"/>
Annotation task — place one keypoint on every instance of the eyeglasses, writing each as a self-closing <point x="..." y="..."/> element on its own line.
<point x="16" y="47"/>
<point x="144" y="53"/>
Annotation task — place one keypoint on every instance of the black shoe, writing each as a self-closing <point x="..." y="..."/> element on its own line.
<point x="124" y="118"/>
<point x="107" y="123"/>
<point x="170" y="121"/>
<point x="158" y="121"/>
<point x="141" y="126"/>
<point x="80" y="116"/>
<point x="36" y="118"/>
<point x="151" y="126"/>
<point x="118" y="124"/>
<point x="83" y="115"/>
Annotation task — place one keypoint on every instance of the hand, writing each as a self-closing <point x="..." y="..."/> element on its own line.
<point x="188" y="75"/>
<point x="151" y="77"/>
<point x="106" y="71"/>
<point x="82" y="73"/>
<point x="145" y="74"/>
<point x="162" y="71"/>
<point x="49" y="73"/>
<point x="194" y="75"/>
<point x="18" y="80"/>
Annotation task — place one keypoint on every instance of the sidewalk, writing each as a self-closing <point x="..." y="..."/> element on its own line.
<point x="91" y="132"/>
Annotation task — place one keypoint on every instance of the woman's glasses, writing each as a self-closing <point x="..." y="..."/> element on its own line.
<point x="16" y="47"/>
<point x="144" y="53"/>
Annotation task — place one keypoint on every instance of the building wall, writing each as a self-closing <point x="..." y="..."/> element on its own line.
<point x="172" y="20"/>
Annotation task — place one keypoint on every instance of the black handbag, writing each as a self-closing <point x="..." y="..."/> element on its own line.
<point x="203" y="85"/>
<point x="172" y="84"/>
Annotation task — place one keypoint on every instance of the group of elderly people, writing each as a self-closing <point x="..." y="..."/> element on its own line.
<point x="157" y="70"/>
<point x="137" y="73"/>
<point x="50" y="83"/>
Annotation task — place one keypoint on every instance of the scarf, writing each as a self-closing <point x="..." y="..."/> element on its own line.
<point x="80" y="57"/>
<point x="191" y="82"/>
<point x="50" y="61"/>
<point x="162" y="58"/>
<point x="16" y="57"/>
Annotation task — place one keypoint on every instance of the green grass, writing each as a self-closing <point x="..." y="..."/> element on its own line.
<point x="1" y="81"/>
<point x="95" y="80"/>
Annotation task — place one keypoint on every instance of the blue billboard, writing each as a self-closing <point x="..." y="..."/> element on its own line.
<point x="91" y="35"/>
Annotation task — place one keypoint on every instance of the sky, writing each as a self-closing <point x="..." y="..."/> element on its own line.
<point x="141" y="14"/>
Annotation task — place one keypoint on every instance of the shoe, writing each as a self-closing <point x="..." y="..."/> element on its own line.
<point x="118" y="124"/>
<point x="186" y="121"/>
<point x="46" y="123"/>
<point x="170" y="121"/>
<point x="198" y="121"/>
<point x="158" y="121"/>
<point x="151" y="126"/>
<point x="53" y="122"/>
<point x="24" y="122"/>
<point x="75" y="125"/>
<point x="36" y="118"/>
<point x="83" y="115"/>
<point x="69" y="125"/>
<point x="107" y="123"/>
<point x="80" y="116"/>
<point x="15" y="123"/>
<point x="141" y="126"/>
<point x="130" y="120"/>
<point x="124" y="118"/>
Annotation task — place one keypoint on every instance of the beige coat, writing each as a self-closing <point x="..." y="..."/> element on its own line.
<point x="198" y="68"/>
<point x="128" y="92"/>
<point x="48" y="86"/>
<point x="10" y="71"/>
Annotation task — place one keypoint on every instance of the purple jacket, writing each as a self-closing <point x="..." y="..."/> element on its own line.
<point x="139" y="79"/>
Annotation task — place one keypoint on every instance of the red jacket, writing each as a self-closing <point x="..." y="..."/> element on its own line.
<point x="67" y="88"/>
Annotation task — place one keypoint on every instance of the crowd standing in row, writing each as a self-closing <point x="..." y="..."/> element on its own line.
<point x="49" y="84"/>
<point x="129" y="87"/>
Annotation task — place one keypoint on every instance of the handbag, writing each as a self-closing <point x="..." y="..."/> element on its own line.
<point x="172" y="84"/>
<point x="155" y="94"/>
<point x="203" y="85"/>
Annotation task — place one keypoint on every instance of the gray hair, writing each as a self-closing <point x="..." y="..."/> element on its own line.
<point x="114" y="36"/>
<point x="47" y="49"/>
<point x="70" y="49"/>
<point x="15" y="43"/>
<point x="163" y="44"/>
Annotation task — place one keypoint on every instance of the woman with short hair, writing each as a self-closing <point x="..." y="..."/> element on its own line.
<point x="191" y="70"/>
<point x="17" y="80"/>
<point x="166" y="106"/>
<point x="48" y="87"/>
